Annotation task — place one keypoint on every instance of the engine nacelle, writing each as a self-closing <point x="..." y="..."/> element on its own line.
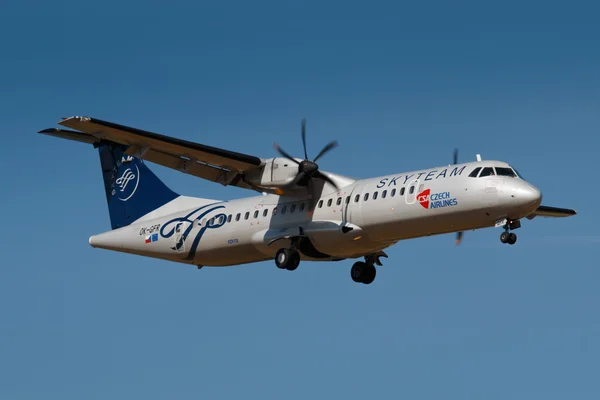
<point x="276" y="172"/>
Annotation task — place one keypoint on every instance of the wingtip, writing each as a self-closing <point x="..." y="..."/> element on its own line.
<point x="48" y="130"/>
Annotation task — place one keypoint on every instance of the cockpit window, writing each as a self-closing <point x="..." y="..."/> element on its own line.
<point x="503" y="171"/>
<point x="487" y="171"/>
<point x="518" y="174"/>
<point x="475" y="172"/>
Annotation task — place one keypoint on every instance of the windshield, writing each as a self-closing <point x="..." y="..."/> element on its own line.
<point x="518" y="173"/>
<point x="504" y="171"/>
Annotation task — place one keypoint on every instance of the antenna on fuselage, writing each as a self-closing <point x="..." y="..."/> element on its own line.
<point x="478" y="156"/>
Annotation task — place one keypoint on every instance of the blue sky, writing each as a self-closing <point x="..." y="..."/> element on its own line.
<point x="399" y="86"/>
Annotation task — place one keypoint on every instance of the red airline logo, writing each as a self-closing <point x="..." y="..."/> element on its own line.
<point x="423" y="198"/>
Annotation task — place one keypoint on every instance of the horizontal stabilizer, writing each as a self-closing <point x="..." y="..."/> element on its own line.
<point x="71" y="135"/>
<point x="552" y="212"/>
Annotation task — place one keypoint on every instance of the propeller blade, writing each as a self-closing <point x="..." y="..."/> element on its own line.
<point x="327" y="148"/>
<point x="304" y="138"/>
<point x="286" y="155"/>
<point x="459" y="236"/>
<point x="327" y="179"/>
<point x="296" y="179"/>
<point x="455" y="156"/>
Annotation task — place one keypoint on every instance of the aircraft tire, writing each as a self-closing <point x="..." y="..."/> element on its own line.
<point x="356" y="272"/>
<point x="371" y="272"/>
<point x="512" y="238"/>
<point x="287" y="259"/>
<point x="282" y="258"/>
<point x="363" y="273"/>
<point x="293" y="260"/>
<point x="504" y="237"/>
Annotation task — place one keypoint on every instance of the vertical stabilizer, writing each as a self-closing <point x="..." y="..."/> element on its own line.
<point x="132" y="190"/>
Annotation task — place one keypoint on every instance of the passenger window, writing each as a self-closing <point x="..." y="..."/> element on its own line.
<point x="384" y="194"/>
<point x="274" y="210"/>
<point x="393" y="193"/>
<point x="411" y="190"/>
<point x="329" y="202"/>
<point x="503" y="171"/>
<point x="320" y="203"/>
<point x="402" y="192"/>
<point x="246" y="215"/>
<point x="366" y="196"/>
<point x="487" y="171"/>
<point x="339" y="201"/>
<point x="283" y="209"/>
<point x="237" y="217"/>
<point x="357" y="198"/>
<point x="265" y="212"/>
<point x="474" y="173"/>
<point x="292" y="208"/>
<point x="375" y="196"/>
<point x="211" y="221"/>
<point x="229" y="218"/>
<point x="256" y="214"/>
<point x="301" y="208"/>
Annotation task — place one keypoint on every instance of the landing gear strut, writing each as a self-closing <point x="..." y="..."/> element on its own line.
<point x="509" y="237"/>
<point x="287" y="259"/>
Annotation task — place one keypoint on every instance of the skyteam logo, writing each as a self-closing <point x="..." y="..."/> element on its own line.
<point x="127" y="183"/>
<point x="436" y="200"/>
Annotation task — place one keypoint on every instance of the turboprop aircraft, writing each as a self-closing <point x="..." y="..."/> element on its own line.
<point x="298" y="212"/>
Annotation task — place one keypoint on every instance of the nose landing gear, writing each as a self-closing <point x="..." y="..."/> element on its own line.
<point x="510" y="237"/>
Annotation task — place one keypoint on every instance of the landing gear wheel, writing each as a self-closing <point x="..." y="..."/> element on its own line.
<point x="504" y="237"/>
<point x="287" y="259"/>
<point x="370" y="276"/>
<point x="293" y="261"/>
<point x="512" y="238"/>
<point x="363" y="273"/>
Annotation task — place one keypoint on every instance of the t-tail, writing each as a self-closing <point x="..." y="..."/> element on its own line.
<point x="132" y="190"/>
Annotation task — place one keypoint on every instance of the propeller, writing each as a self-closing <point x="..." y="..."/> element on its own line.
<point x="459" y="235"/>
<point x="307" y="169"/>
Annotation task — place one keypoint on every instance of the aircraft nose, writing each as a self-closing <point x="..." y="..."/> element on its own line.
<point x="529" y="195"/>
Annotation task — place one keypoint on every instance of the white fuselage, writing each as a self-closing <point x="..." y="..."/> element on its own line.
<point x="361" y="218"/>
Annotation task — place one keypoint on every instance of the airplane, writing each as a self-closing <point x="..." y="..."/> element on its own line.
<point x="298" y="212"/>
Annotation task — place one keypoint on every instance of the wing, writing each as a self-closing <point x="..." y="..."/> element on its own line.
<point x="552" y="212"/>
<point x="211" y="163"/>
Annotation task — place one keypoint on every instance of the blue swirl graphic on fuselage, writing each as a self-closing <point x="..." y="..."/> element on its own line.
<point x="219" y="221"/>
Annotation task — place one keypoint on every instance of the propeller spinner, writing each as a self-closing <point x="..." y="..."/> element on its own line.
<point x="307" y="169"/>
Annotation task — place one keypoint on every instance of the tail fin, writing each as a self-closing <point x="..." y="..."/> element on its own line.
<point x="132" y="190"/>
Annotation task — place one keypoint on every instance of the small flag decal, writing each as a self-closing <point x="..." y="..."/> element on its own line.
<point x="152" y="238"/>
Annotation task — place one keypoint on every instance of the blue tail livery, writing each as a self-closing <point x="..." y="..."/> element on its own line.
<point x="132" y="190"/>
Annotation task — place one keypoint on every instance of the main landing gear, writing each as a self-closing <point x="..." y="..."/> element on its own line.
<point x="510" y="237"/>
<point x="362" y="272"/>
<point x="287" y="259"/>
<point x="365" y="272"/>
